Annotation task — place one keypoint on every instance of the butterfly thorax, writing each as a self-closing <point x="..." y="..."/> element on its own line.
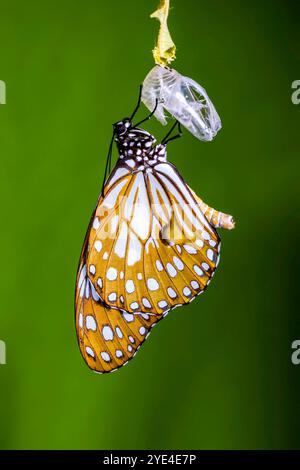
<point x="137" y="147"/>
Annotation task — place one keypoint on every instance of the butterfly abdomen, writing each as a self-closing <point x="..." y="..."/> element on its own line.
<point x="216" y="218"/>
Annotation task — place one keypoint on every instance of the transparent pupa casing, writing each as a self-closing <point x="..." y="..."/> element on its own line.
<point x="184" y="99"/>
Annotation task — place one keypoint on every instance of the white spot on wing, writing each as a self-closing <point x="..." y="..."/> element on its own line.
<point x="146" y="302"/>
<point x="134" y="305"/>
<point x="95" y="294"/>
<point x="171" y="293"/>
<point x="107" y="333"/>
<point x="186" y="291"/>
<point x="178" y="263"/>
<point x="119" y="332"/>
<point x="96" y="223"/>
<point x="82" y="276"/>
<point x="90" y="323"/>
<point x="142" y="331"/>
<point x="87" y="289"/>
<point x="171" y="270"/>
<point x="112" y="297"/>
<point x="159" y="265"/>
<point x="129" y="286"/>
<point x="198" y="270"/>
<point x="92" y="269"/>
<point x="128" y="317"/>
<point x="111" y="274"/>
<point x="82" y="289"/>
<point x="89" y="351"/>
<point x="205" y="266"/>
<point x="105" y="356"/>
<point x="190" y="249"/>
<point x="98" y="246"/>
<point x="152" y="284"/>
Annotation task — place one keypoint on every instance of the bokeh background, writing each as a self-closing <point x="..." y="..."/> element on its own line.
<point x="218" y="373"/>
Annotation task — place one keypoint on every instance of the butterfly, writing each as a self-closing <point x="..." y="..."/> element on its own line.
<point x="151" y="246"/>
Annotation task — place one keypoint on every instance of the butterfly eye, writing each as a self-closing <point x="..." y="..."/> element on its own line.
<point x="122" y="127"/>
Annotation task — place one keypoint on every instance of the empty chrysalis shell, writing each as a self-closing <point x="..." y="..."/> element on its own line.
<point x="184" y="99"/>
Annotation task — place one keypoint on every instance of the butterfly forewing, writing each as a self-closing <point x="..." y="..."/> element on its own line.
<point x="136" y="261"/>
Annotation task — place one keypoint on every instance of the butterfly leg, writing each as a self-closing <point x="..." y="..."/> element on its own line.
<point x="138" y="103"/>
<point x="149" y="115"/>
<point x="108" y="162"/>
<point x="166" y="139"/>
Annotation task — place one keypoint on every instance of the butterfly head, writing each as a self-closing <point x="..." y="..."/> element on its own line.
<point x="121" y="128"/>
<point x="133" y="142"/>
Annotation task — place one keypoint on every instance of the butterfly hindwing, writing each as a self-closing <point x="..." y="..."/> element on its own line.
<point x="108" y="338"/>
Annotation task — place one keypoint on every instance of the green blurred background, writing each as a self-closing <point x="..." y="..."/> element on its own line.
<point x="218" y="373"/>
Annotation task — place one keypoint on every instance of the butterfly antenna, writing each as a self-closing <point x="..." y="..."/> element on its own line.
<point x="149" y="116"/>
<point x="108" y="162"/>
<point x="138" y="104"/>
<point x="166" y="139"/>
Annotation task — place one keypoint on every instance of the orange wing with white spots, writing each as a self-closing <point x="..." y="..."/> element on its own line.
<point x="150" y="246"/>
<point x="107" y="338"/>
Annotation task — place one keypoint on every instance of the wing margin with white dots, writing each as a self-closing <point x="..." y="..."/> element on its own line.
<point x="107" y="338"/>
